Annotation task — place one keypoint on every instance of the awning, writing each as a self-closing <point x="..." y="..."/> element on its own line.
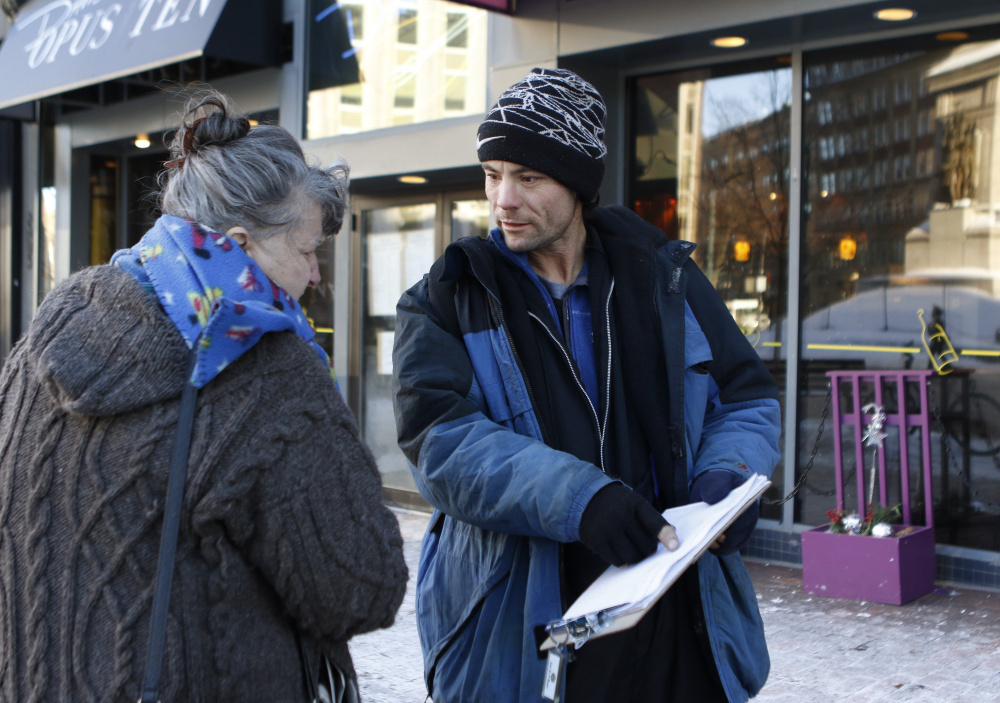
<point x="58" y="45"/>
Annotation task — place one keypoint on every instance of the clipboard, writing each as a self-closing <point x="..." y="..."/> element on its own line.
<point x="643" y="584"/>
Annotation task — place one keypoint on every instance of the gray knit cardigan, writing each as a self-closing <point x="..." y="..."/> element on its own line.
<point x="282" y="526"/>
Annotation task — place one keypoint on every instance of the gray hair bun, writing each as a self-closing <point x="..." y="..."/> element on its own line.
<point x="214" y="127"/>
<point x="224" y="174"/>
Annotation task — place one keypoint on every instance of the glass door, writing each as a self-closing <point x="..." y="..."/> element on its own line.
<point x="398" y="237"/>
<point x="398" y="248"/>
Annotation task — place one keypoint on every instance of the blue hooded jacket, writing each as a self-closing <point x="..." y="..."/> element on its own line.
<point x="490" y="569"/>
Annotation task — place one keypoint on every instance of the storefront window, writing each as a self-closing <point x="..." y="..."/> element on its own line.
<point x="379" y="63"/>
<point x="710" y="165"/>
<point x="901" y="256"/>
<point x="399" y="248"/>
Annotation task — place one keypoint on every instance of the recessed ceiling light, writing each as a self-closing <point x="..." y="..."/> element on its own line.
<point x="953" y="36"/>
<point x="412" y="180"/>
<point x="729" y="42"/>
<point x="895" y="14"/>
<point x="142" y="141"/>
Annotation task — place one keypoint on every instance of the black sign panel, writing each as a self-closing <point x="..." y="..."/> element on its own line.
<point x="332" y="57"/>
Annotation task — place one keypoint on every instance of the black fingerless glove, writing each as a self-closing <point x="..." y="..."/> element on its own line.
<point x="620" y="526"/>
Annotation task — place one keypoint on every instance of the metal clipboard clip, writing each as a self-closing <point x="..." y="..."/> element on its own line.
<point x="572" y="633"/>
<point x="577" y="631"/>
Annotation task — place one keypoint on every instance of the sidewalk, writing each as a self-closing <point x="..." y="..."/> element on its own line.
<point x="944" y="647"/>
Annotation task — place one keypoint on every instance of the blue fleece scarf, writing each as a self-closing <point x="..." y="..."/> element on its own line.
<point x="212" y="291"/>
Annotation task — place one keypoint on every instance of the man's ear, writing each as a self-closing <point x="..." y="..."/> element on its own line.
<point x="238" y="235"/>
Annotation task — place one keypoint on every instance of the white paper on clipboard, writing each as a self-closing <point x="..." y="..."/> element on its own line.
<point x="620" y="596"/>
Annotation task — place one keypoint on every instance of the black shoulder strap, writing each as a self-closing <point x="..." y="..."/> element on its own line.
<point x="168" y="538"/>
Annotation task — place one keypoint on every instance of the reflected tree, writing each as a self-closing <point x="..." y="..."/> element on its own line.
<point x="743" y="196"/>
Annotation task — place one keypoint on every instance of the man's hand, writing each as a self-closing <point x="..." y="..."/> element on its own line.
<point x="622" y="528"/>
<point x="711" y="487"/>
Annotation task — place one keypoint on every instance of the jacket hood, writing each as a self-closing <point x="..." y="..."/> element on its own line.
<point x="619" y="221"/>
<point x="102" y="346"/>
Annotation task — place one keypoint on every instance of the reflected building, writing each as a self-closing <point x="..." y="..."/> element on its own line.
<point x="689" y="142"/>
<point x="903" y="172"/>
<point x="872" y="168"/>
<point x="960" y="242"/>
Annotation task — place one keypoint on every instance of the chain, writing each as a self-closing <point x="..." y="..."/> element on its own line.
<point x="812" y="457"/>
<point x="946" y="445"/>
<point x="982" y="424"/>
<point x="946" y="438"/>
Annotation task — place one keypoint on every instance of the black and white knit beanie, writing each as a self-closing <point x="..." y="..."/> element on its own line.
<point x="552" y="121"/>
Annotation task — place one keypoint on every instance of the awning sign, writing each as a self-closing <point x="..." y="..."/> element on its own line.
<point x="59" y="45"/>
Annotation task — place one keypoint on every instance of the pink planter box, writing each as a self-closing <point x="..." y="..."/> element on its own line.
<point x="892" y="570"/>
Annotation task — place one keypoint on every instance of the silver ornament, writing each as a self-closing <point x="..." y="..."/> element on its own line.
<point x="882" y="529"/>
<point x="873" y="433"/>
<point x="852" y="524"/>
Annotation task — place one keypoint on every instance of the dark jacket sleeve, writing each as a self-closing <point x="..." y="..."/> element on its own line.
<point x="740" y="424"/>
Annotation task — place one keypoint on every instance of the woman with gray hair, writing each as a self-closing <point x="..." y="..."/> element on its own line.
<point x="284" y="549"/>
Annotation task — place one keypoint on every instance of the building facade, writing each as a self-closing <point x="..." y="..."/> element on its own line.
<point x="839" y="172"/>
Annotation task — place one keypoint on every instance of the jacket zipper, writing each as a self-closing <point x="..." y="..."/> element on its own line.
<point x="527" y="384"/>
<point x="607" y="334"/>
<point x="579" y="384"/>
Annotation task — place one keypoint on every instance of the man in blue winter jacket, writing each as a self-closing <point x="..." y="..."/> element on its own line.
<point x="557" y="386"/>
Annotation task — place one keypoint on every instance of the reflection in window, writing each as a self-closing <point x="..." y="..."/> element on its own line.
<point x="381" y="37"/>
<point x="407" y="32"/>
<point x="351" y="94"/>
<point x="694" y="180"/>
<point x="915" y="241"/>
<point x="406" y="89"/>
<point x="458" y="30"/>
<point x="355" y="15"/>
<point x="456" y="63"/>
<point x="454" y="97"/>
